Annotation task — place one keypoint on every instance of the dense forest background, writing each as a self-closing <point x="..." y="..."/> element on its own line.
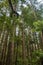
<point x="21" y="32"/>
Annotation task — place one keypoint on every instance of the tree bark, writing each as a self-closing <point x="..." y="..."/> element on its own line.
<point x="23" y="46"/>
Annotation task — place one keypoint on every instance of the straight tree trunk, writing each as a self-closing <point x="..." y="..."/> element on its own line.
<point x="4" y="49"/>
<point x="23" y="46"/>
<point x="42" y="41"/>
<point x="11" y="53"/>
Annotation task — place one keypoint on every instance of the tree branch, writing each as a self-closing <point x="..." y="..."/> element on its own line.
<point x="14" y="12"/>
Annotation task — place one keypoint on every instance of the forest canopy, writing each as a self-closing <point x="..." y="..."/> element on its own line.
<point x="21" y="32"/>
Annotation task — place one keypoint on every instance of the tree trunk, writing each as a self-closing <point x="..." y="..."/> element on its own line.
<point x="42" y="41"/>
<point x="23" y="46"/>
<point x="4" y="48"/>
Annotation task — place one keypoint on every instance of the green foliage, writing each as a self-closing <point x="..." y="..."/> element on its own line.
<point x="23" y="0"/>
<point x="37" y="55"/>
<point x="28" y="16"/>
<point x="38" y="25"/>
